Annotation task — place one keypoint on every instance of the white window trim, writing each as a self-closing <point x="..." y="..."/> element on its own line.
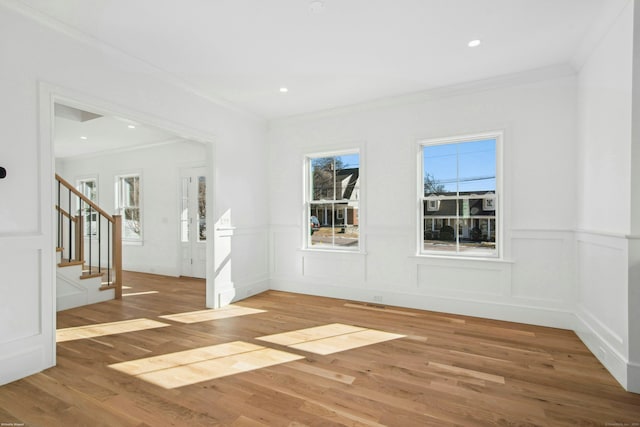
<point x="117" y="208"/>
<point x="499" y="195"/>
<point x="85" y="178"/>
<point x="306" y="199"/>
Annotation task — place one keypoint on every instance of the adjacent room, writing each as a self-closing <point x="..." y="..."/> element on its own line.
<point x="320" y="212"/>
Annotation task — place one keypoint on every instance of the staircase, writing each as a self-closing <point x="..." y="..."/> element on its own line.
<point x="89" y="250"/>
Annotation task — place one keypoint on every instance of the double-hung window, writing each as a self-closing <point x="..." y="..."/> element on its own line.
<point x="89" y="188"/>
<point x="459" y="196"/>
<point x="332" y="201"/>
<point x="127" y="198"/>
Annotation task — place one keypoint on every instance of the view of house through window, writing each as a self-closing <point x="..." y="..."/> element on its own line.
<point x="128" y="205"/>
<point x="89" y="188"/>
<point x="332" y="203"/>
<point x="459" y="199"/>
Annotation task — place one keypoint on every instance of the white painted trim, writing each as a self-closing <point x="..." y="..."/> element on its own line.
<point x="526" y="77"/>
<point x="542" y="316"/>
<point x="612" y="360"/>
<point x="609" y="14"/>
<point x="601" y="233"/>
<point x="633" y="377"/>
<point x="125" y="149"/>
<point x="426" y="257"/>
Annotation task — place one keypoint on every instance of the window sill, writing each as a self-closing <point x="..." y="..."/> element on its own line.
<point x="462" y="258"/>
<point x="331" y="251"/>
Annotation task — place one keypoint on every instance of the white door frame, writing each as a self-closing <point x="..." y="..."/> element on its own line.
<point x="49" y="95"/>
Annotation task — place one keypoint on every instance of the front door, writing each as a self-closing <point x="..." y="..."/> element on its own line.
<point x="193" y="222"/>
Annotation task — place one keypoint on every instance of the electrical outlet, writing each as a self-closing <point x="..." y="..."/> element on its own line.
<point x="377" y="298"/>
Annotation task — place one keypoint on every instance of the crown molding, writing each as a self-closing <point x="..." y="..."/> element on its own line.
<point x="610" y="12"/>
<point x="507" y="80"/>
<point x="127" y="149"/>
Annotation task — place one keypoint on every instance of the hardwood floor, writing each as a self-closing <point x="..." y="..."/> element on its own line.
<point x="158" y="358"/>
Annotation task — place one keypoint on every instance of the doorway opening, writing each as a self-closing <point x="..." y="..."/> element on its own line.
<point x="133" y="169"/>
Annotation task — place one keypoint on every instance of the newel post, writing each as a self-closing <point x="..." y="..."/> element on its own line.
<point x="117" y="254"/>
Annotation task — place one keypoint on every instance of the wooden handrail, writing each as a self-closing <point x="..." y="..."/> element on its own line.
<point x="84" y="198"/>
<point x="65" y="213"/>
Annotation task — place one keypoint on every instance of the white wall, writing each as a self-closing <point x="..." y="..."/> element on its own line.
<point x="534" y="282"/>
<point x="604" y="211"/>
<point x="78" y="68"/>
<point x="159" y="169"/>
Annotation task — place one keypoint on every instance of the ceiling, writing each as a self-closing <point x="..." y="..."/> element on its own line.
<point x="331" y="53"/>
<point x="78" y="132"/>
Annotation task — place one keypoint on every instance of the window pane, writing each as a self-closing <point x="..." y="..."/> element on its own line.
<point x="334" y="225"/>
<point x="477" y="166"/>
<point x="323" y="178"/>
<point x="128" y="205"/>
<point x="347" y="177"/>
<point x="346" y="231"/>
<point x="202" y="209"/>
<point x="184" y="211"/>
<point x="440" y="169"/>
<point x="131" y="222"/>
<point x="479" y="229"/>
<point x="440" y="233"/>
<point x="321" y="224"/>
<point x="131" y="191"/>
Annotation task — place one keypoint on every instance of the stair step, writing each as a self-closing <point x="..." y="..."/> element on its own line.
<point x="58" y="249"/>
<point x="70" y="263"/>
<point x="90" y="275"/>
<point x="106" y="286"/>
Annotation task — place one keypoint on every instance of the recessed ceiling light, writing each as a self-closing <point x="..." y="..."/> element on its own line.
<point x="284" y="90"/>
<point x="474" y="43"/>
<point x="131" y="127"/>
<point x="83" y="137"/>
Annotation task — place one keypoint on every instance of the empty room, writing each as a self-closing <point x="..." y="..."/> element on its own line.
<point x="320" y="212"/>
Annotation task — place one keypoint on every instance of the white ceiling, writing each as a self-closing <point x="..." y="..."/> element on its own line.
<point x="78" y="133"/>
<point x="352" y="51"/>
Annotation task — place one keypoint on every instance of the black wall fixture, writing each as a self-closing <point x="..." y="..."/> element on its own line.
<point x="3" y="172"/>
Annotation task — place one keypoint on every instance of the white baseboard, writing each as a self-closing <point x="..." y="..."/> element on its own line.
<point x="551" y="317"/>
<point x="604" y="350"/>
<point x="21" y="364"/>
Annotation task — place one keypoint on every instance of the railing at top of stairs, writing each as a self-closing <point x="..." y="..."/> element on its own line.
<point x="88" y="223"/>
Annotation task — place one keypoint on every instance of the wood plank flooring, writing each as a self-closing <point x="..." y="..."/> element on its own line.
<point x="159" y="358"/>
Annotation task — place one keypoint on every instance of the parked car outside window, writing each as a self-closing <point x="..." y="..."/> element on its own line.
<point x="314" y="224"/>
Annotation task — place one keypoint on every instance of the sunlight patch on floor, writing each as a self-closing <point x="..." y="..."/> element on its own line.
<point x="139" y="293"/>
<point x="202" y="364"/>
<point x="102" y="329"/>
<point x="212" y="314"/>
<point x="330" y="338"/>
